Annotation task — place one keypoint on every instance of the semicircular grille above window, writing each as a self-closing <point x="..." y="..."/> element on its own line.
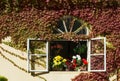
<point x="70" y="24"/>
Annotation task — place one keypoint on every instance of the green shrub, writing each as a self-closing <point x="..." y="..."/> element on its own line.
<point x="2" y="78"/>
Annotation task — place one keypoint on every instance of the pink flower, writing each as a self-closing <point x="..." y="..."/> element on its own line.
<point x="59" y="46"/>
<point x="47" y="1"/>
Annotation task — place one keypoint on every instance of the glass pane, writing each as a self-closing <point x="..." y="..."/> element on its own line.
<point x="77" y="24"/>
<point x="38" y="62"/>
<point x="60" y="25"/>
<point x="37" y="47"/>
<point x="82" y="31"/>
<point x="97" y="46"/>
<point x="97" y="62"/>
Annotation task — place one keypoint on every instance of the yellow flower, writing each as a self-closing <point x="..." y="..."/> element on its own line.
<point x="64" y="60"/>
<point x="59" y="63"/>
<point x="56" y="62"/>
<point x="58" y="58"/>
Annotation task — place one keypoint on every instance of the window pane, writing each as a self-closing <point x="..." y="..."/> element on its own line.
<point x="77" y="24"/>
<point x="37" y="47"/>
<point x="83" y="31"/>
<point x="97" y="62"/>
<point x="97" y="46"/>
<point x="60" y="25"/>
<point x="38" y="62"/>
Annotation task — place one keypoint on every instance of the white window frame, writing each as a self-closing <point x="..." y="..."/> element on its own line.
<point x="89" y="54"/>
<point x="47" y="51"/>
<point x="30" y="55"/>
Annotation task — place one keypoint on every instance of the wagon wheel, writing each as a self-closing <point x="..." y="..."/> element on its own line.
<point x="69" y="24"/>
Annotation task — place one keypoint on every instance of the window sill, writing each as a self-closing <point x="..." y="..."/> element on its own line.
<point x="68" y="72"/>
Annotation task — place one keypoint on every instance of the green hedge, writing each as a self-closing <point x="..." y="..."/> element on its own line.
<point x="2" y="78"/>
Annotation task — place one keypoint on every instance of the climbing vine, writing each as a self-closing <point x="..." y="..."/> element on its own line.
<point x="36" y="19"/>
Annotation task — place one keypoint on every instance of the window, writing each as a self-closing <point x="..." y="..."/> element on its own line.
<point x="97" y="54"/>
<point x="64" y="55"/>
<point x="70" y="52"/>
<point x="94" y="51"/>
<point x="37" y="60"/>
<point x="70" y="24"/>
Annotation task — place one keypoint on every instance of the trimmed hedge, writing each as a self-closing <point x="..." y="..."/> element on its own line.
<point x="2" y="78"/>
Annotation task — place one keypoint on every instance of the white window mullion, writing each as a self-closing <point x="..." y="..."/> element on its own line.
<point x="47" y="45"/>
<point x="104" y="53"/>
<point x="38" y="71"/>
<point x="59" y="30"/>
<point x="97" y="70"/>
<point x="87" y="33"/>
<point x="28" y="56"/>
<point x="97" y="54"/>
<point x="64" y="24"/>
<point x="89" y="51"/>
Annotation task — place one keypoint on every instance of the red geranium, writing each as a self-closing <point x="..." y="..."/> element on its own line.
<point x="84" y="61"/>
<point x="74" y="60"/>
<point x="74" y="65"/>
<point x="67" y="63"/>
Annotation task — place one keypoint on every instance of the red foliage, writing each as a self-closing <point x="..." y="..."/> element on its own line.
<point x="91" y="77"/>
<point x="38" y="22"/>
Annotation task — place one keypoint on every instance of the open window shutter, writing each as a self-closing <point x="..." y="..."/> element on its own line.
<point x="37" y="60"/>
<point x="97" y="54"/>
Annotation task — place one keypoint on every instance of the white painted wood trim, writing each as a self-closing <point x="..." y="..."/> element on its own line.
<point x="28" y="44"/>
<point x="65" y="26"/>
<point x="89" y="51"/>
<point x="59" y="30"/>
<point x="29" y="56"/>
<point x="95" y="54"/>
<point x="104" y="54"/>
